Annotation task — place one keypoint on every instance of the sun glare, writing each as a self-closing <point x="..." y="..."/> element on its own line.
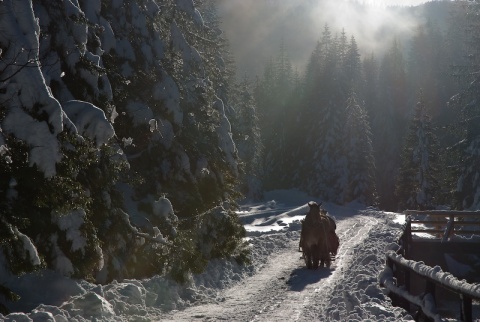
<point x="369" y="21"/>
<point x="372" y="26"/>
<point x="386" y="3"/>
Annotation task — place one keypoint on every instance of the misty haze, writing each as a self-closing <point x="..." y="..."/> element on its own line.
<point x="311" y="60"/>
<point x="256" y="29"/>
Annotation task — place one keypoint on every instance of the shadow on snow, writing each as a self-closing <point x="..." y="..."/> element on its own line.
<point x="301" y="277"/>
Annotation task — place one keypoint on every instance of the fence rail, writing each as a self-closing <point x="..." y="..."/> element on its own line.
<point x="466" y="292"/>
<point x="440" y="226"/>
<point x="444" y="223"/>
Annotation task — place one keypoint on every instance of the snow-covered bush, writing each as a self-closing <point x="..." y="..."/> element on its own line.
<point x="220" y="234"/>
<point x="217" y="233"/>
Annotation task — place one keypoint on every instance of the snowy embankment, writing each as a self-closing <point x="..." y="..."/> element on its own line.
<point x="275" y="286"/>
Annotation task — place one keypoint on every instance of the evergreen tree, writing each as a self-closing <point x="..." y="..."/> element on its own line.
<point x="361" y="163"/>
<point x="467" y="192"/>
<point x="112" y="107"/>
<point x="429" y="68"/>
<point x="343" y="47"/>
<point x="370" y="88"/>
<point x="248" y="140"/>
<point x="216" y="53"/>
<point x="49" y="147"/>
<point x="100" y="167"/>
<point x="272" y="95"/>
<point x="352" y="67"/>
<point x="295" y="133"/>
<point x="188" y="154"/>
<point x="389" y="122"/>
<point x="303" y="134"/>
<point x="332" y="72"/>
<point x="328" y="170"/>
<point x="417" y="185"/>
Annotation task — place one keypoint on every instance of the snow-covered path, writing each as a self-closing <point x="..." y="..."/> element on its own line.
<point x="283" y="288"/>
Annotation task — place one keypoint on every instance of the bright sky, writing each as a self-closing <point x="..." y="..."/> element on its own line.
<point x="395" y="2"/>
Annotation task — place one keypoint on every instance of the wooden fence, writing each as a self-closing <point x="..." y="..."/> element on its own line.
<point x="427" y="236"/>
<point x="403" y="271"/>
<point x="440" y="225"/>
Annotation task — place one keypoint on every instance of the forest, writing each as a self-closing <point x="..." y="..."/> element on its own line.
<point x="128" y="136"/>
<point x="393" y="128"/>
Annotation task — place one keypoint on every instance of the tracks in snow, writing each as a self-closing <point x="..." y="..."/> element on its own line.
<point x="283" y="288"/>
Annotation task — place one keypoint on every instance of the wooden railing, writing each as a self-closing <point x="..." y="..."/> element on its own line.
<point x="403" y="269"/>
<point x="439" y="224"/>
<point x="441" y="231"/>
<point x="445" y="222"/>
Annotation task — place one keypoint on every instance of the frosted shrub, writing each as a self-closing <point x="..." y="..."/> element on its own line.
<point x="218" y="233"/>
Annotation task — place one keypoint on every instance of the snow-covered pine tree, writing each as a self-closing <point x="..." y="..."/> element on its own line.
<point x="417" y="185"/>
<point x="327" y="175"/>
<point x="426" y="63"/>
<point x="389" y="121"/>
<point x="307" y="116"/>
<point x="352" y="67"/>
<point x="295" y="135"/>
<point x="312" y="113"/>
<point x="72" y="47"/>
<point x="216" y="54"/>
<point x="45" y="146"/>
<point x="181" y="145"/>
<point x="248" y="141"/>
<point x="467" y="192"/>
<point x="370" y="82"/>
<point x="273" y="95"/>
<point x="75" y="67"/>
<point x="360" y="160"/>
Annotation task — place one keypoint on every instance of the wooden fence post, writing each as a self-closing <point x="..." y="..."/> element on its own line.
<point x="449" y="229"/>
<point x="466" y="312"/>
<point x="407" y="238"/>
<point x="430" y="289"/>
<point x="406" y="276"/>
<point x="395" y="299"/>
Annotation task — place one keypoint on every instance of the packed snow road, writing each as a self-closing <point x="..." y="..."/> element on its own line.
<point x="283" y="289"/>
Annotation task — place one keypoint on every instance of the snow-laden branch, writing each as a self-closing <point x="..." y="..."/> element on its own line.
<point x="89" y="120"/>
<point x="30" y="62"/>
<point x="156" y="238"/>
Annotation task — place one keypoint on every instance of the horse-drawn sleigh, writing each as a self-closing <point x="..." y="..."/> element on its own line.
<point x="318" y="240"/>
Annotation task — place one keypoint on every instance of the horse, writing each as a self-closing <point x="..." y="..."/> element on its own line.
<point x="314" y="238"/>
<point x="333" y="240"/>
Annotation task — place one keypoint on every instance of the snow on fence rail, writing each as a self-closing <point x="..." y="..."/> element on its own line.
<point x="433" y="276"/>
<point x="444" y="231"/>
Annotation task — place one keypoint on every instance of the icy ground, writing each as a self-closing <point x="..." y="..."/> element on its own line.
<point x="275" y="287"/>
